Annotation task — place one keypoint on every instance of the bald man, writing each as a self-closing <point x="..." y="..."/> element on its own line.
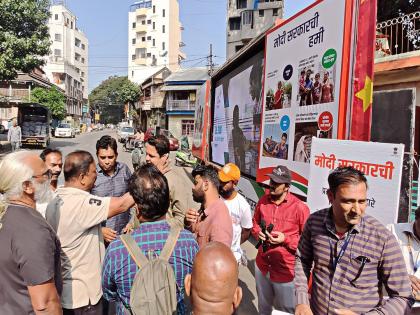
<point x="213" y="285"/>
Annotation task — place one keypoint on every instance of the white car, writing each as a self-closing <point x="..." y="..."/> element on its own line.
<point x="124" y="132"/>
<point x="64" y="130"/>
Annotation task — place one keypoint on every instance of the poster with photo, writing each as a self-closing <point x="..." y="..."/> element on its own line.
<point x="201" y="121"/>
<point x="302" y="81"/>
<point x="237" y="116"/>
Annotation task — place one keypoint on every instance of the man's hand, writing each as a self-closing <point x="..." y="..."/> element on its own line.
<point x="164" y="164"/>
<point x="415" y="284"/>
<point x="191" y="216"/>
<point x="262" y="236"/>
<point x="343" y="311"/>
<point x="276" y="237"/>
<point x="109" y="234"/>
<point x="303" y="309"/>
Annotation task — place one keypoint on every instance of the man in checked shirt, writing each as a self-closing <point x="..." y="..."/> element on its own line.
<point x="352" y="256"/>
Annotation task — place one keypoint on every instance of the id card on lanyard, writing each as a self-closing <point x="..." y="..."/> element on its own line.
<point x="337" y="258"/>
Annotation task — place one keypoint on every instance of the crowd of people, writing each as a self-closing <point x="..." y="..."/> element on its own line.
<point x="149" y="242"/>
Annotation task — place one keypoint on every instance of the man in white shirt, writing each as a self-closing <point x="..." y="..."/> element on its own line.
<point x="239" y="209"/>
<point x="76" y="216"/>
<point x="408" y="236"/>
<point x="53" y="159"/>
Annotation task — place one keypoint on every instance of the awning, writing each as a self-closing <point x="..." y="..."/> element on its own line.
<point x="179" y="87"/>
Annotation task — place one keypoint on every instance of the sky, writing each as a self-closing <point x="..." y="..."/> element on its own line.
<point x="105" y="23"/>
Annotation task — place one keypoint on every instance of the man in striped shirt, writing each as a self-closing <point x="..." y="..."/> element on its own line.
<point x="352" y="256"/>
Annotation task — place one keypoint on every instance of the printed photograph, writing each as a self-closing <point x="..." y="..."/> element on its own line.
<point x="276" y="142"/>
<point x="279" y="97"/>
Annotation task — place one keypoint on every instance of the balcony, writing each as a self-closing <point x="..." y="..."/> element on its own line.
<point x="263" y="5"/>
<point x="141" y="29"/>
<point x="140" y="61"/>
<point x="14" y="95"/>
<point x="140" y="44"/>
<point x="173" y="105"/>
<point x="398" y="38"/>
<point x="142" y="12"/>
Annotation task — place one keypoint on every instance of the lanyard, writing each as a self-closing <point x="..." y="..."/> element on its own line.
<point x="340" y="255"/>
<point x="410" y="250"/>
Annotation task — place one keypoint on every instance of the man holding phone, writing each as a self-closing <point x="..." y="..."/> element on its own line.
<point x="157" y="153"/>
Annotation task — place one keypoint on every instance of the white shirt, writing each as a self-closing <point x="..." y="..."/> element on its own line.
<point x="240" y="212"/>
<point x="76" y="216"/>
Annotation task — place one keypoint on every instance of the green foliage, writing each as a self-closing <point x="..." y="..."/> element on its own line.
<point x="391" y="9"/>
<point x="51" y="98"/>
<point x="115" y="90"/>
<point x="24" y="36"/>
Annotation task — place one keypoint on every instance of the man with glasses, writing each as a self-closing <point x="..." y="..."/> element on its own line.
<point x="278" y="222"/>
<point x="351" y="255"/>
<point x="30" y="278"/>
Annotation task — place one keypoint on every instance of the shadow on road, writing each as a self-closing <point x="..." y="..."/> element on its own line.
<point x="247" y="306"/>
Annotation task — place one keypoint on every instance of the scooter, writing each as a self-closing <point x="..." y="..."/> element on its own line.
<point x="185" y="158"/>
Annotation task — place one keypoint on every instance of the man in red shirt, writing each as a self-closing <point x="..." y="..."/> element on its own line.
<point x="275" y="262"/>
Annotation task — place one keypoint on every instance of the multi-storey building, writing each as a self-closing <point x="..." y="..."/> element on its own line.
<point x="247" y="19"/>
<point x="67" y="65"/>
<point x="154" y="38"/>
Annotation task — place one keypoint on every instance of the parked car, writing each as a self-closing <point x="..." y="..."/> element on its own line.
<point x="124" y="132"/>
<point x="173" y="142"/>
<point x="65" y="130"/>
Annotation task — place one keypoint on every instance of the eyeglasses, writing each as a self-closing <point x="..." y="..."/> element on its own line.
<point x="46" y="175"/>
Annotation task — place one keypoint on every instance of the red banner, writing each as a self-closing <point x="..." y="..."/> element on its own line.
<point x="361" y="115"/>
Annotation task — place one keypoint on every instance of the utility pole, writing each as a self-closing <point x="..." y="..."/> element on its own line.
<point x="210" y="64"/>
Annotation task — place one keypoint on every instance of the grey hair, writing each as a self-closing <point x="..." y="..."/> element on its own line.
<point x="13" y="173"/>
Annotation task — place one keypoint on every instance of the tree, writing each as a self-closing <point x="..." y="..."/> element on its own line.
<point x="24" y="36"/>
<point x="391" y="9"/>
<point x="51" y="98"/>
<point x="115" y="90"/>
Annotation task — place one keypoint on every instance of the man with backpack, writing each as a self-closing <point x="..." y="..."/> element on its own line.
<point x="144" y="272"/>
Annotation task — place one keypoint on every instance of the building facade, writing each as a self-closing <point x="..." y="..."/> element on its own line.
<point x="67" y="65"/>
<point x="180" y="99"/>
<point x="154" y="38"/>
<point x="247" y="19"/>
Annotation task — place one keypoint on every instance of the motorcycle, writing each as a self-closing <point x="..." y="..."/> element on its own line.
<point x="138" y="155"/>
<point x="184" y="156"/>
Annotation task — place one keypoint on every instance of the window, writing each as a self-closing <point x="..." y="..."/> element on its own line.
<point x="163" y="46"/>
<point x="187" y="126"/>
<point x="149" y="22"/>
<point x="134" y="24"/>
<point x="57" y="37"/>
<point x="247" y="17"/>
<point x="143" y="22"/>
<point x="68" y="22"/>
<point x="83" y="46"/>
<point x="261" y="13"/>
<point x="133" y="41"/>
<point x="149" y="37"/>
<point x="154" y="42"/>
<point x="71" y="25"/>
<point x="133" y="57"/>
<point x="143" y="39"/>
<point x="83" y="60"/>
<point x="132" y="73"/>
<point x="241" y="4"/>
<point x="163" y="12"/>
<point x="149" y="55"/>
<point x="275" y="12"/>
<point x="163" y="28"/>
<point x="56" y="17"/>
<point x="235" y="23"/>
<point x="82" y="74"/>
<point x="77" y="56"/>
<point x="238" y="48"/>
<point x="154" y="9"/>
<point x="154" y="26"/>
<point x="57" y="52"/>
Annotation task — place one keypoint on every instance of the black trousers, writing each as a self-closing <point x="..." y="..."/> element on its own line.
<point x="96" y="309"/>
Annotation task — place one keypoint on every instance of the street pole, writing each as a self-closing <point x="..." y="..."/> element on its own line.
<point x="210" y="64"/>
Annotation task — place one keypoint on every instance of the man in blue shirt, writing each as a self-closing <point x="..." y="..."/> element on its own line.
<point x="112" y="181"/>
<point x="150" y="191"/>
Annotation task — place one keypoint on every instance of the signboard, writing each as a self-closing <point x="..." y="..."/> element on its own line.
<point x="380" y="162"/>
<point x="306" y="76"/>
<point x="237" y="116"/>
<point x="201" y="119"/>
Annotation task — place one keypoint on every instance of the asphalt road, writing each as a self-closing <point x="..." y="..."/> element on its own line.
<point x="87" y="141"/>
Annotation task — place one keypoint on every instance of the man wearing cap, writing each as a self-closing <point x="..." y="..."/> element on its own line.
<point x="275" y="260"/>
<point x="238" y="207"/>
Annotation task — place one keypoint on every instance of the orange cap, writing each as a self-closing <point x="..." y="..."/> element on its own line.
<point x="229" y="172"/>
